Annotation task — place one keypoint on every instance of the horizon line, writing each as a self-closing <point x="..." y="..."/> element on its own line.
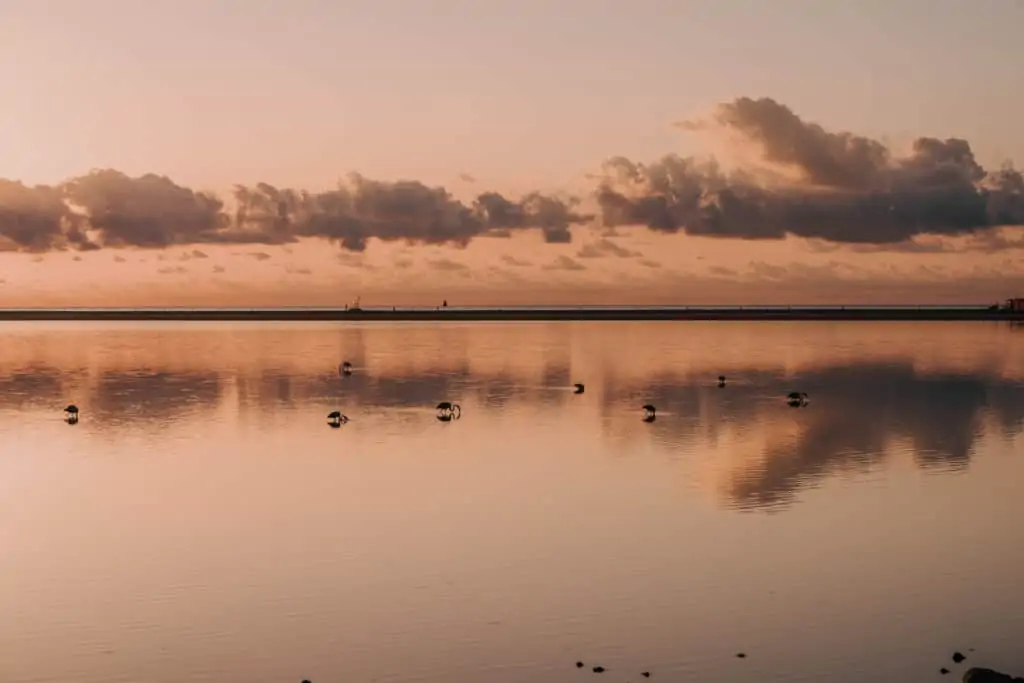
<point x="384" y="308"/>
<point x="1013" y="313"/>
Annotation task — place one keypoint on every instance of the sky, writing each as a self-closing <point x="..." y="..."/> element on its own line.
<point x="652" y="151"/>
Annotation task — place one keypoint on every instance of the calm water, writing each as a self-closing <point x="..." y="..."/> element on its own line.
<point x="203" y="523"/>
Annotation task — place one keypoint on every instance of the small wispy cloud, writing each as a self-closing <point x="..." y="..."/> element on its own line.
<point x="446" y="264"/>
<point x="604" y="248"/>
<point x="513" y="261"/>
<point x="172" y="270"/>
<point x="565" y="263"/>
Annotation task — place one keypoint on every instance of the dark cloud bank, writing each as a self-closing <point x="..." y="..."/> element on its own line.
<point x="835" y="187"/>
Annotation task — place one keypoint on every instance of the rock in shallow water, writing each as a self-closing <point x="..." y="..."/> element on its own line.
<point x="979" y="675"/>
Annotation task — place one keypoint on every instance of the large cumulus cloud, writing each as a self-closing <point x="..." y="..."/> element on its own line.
<point x="831" y="187"/>
<point x="812" y="183"/>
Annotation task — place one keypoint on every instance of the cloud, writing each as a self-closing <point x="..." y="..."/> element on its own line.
<point x="603" y="248"/>
<point x="259" y="255"/>
<point x="648" y="263"/>
<point x="467" y="178"/>
<point x="35" y="219"/>
<point x="767" y="271"/>
<point x="447" y="265"/>
<point x="808" y="273"/>
<point x="107" y="208"/>
<point x="355" y="260"/>
<point x="513" y="261"/>
<point x="837" y="187"/>
<point x="803" y="180"/>
<point x="218" y="269"/>
<point x="172" y="270"/>
<point x="148" y="211"/>
<point x="565" y="263"/>
<point x="194" y="254"/>
<point x="292" y="270"/>
<point x="119" y="259"/>
<point x="988" y="241"/>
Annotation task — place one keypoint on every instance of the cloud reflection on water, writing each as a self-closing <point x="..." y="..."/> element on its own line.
<point x="859" y="408"/>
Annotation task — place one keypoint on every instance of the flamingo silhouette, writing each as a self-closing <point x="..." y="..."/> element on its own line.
<point x="797" y="399"/>
<point x="448" y="411"/>
<point x="336" y="419"/>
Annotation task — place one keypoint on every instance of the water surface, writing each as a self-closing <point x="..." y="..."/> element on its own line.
<point x="203" y="523"/>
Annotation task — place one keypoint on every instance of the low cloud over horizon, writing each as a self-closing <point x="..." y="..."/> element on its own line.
<point x="836" y="189"/>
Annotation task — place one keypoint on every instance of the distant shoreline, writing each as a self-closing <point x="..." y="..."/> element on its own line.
<point x="454" y="314"/>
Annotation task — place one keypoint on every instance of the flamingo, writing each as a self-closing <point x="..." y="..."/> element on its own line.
<point x="336" y="419"/>
<point x="447" y="411"/>
<point x="797" y="399"/>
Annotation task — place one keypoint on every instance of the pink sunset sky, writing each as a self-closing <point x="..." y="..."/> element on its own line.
<point x="653" y="151"/>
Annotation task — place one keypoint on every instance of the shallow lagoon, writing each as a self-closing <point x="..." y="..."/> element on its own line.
<point x="203" y="523"/>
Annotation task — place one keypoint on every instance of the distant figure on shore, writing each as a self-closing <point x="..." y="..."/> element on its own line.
<point x="336" y="419"/>
<point x="71" y="414"/>
<point x="721" y="381"/>
<point x="650" y="412"/>
<point x="346" y="368"/>
<point x="444" y="304"/>
<point x="577" y="388"/>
